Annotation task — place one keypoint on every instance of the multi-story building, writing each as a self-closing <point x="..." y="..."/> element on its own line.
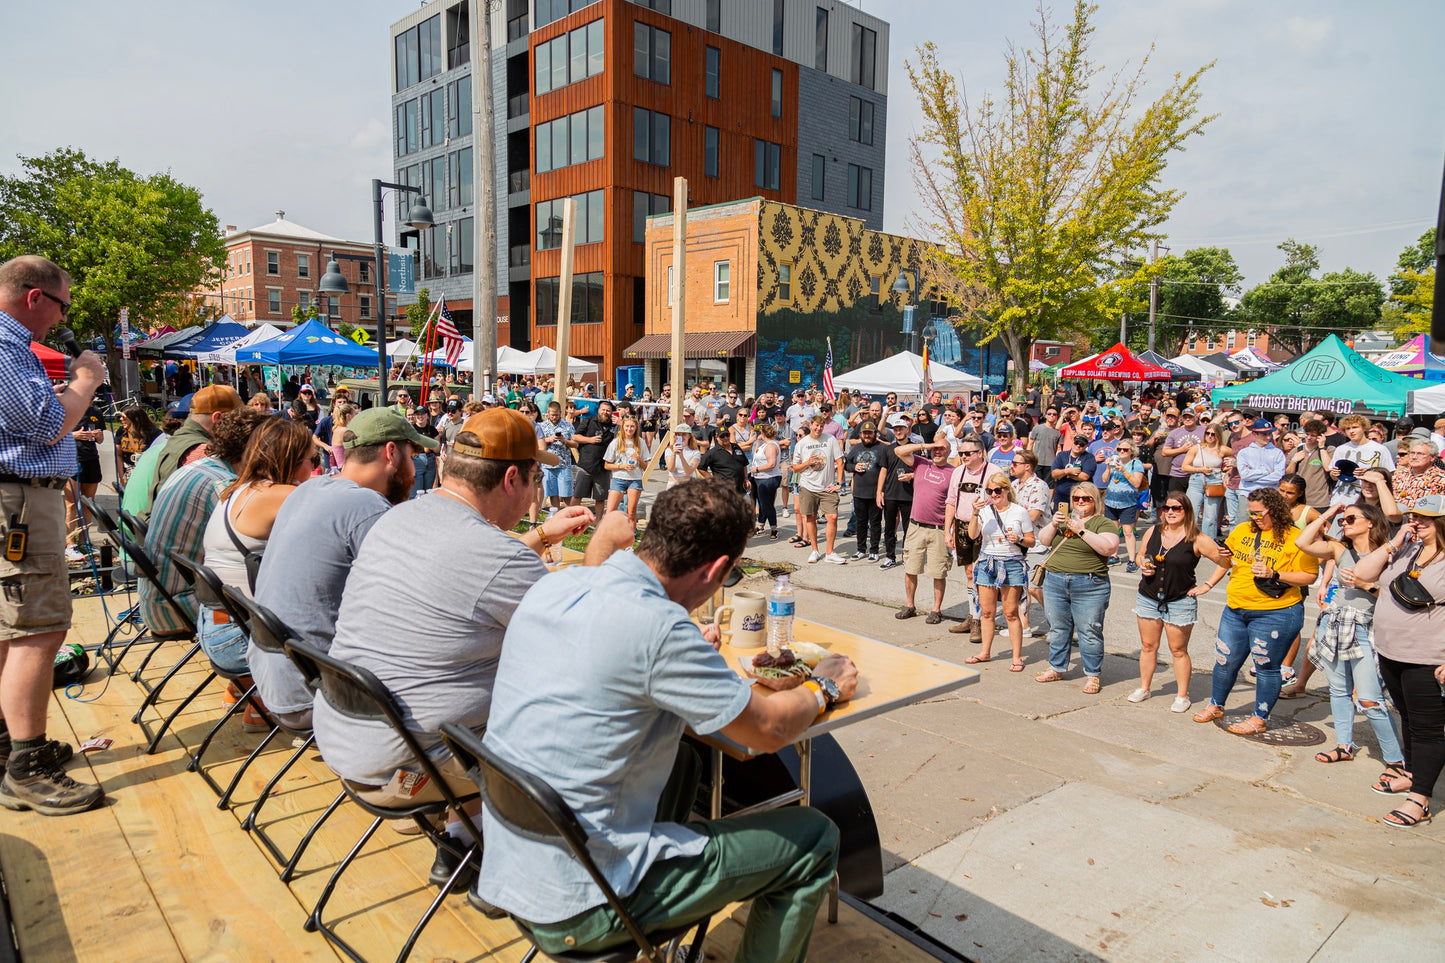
<point x="766" y="285"/>
<point x="606" y="101"/>
<point x="276" y="267"/>
<point x="1231" y="341"/>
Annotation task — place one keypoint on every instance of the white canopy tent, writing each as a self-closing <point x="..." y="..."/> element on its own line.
<point x="542" y="361"/>
<point x="401" y="349"/>
<point x="227" y="354"/>
<point x="1426" y="401"/>
<point x="1208" y="370"/>
<point x="903" y="373"/>
<point x="506" y="355"/>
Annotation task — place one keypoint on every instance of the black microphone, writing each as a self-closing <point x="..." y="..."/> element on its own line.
<point x="68" y="344"/>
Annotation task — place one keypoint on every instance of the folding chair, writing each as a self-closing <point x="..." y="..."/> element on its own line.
<point x="357" y="693"/>
<point x="532" y="809"/>
<point x="270" y="634"/>
<point x="129" y="618"/>
<point x="210" y="591"/>
<point x="146" y="568"/>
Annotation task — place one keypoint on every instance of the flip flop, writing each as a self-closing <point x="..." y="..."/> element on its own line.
<point x="1016" y="667"/>
<point x="976" y="659"/>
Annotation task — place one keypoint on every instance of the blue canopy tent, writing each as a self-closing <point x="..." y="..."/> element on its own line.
<point x="214" y="338"/>
<point x="195" y="334"/>
<point x="312" y="343"/>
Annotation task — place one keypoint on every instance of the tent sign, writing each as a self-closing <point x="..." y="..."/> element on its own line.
<point x="400" y="271"/>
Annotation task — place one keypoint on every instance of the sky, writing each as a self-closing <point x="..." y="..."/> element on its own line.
<point x="1331" y="125"/>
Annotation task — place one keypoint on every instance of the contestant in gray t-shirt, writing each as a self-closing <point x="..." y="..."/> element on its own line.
<point x="315" y="540"/>
<point x="434" y="644"/>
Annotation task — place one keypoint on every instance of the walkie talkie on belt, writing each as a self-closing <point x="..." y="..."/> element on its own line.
<point x="17" y="534"/>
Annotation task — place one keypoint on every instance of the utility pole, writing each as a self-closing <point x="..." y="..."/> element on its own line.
<point x="564" y="300"/>
<point x="484" y="221"/>
<point x="679" y="273"/>
<point x="1153" y="291"/>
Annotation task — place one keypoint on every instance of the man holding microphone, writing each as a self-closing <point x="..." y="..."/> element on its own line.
<point x="37" y="460"/>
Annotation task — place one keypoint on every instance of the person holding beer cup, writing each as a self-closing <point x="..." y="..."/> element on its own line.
<point x="1006" y="531"/>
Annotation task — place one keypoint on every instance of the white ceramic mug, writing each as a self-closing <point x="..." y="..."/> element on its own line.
<point x="746" y="617"/>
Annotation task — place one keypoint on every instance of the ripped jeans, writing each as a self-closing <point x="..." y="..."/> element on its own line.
<point x="1076" y="603"/>
<point x="1264" y="636"/>
<point x="1360" y="678"/>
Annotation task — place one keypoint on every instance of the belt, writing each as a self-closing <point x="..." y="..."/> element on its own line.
<point x="7" y="479"/>
<point x="926" y="525"/>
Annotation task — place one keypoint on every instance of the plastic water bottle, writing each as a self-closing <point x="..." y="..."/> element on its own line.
<point x="780" y="615"/>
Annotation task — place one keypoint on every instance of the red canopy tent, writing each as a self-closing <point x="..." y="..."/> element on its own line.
<point x="53" y="360"/>
<point x="1116" y="364"/>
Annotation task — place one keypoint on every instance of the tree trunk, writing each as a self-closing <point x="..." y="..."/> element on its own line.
<point x="1020" y="349"/>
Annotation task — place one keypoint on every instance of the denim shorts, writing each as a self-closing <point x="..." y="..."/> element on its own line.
<point x="1127" y="514"/>
<point x="557" y="480"/>
<point x="1181" y="612"/>
<point x="625" y="484"/>
<point x="989" y="572"/>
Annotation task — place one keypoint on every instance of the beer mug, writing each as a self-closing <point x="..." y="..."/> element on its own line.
<point x="743" y="622"/>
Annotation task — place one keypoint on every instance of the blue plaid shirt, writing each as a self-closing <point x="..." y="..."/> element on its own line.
<point x="30" y="413"/>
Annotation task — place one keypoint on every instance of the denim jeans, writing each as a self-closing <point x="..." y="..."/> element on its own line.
<point x="767" y="489"/>
<point x="1363" y="679"/>
<point x="1076" y="603"/>
<point x="1264" y="635"/>
<point x="426" y="473"/>
<point x="1232" y="505"/>
<point x="224" y="644"/>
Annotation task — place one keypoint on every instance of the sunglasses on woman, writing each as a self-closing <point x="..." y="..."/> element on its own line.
<point x="1174" y="508"/>
<point x="1081" y="498"/>
<point x="1351" y="519"/>
<point x="995" y="491"/>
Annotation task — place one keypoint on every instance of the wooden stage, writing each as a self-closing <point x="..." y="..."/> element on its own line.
<point x="158" y="872"/>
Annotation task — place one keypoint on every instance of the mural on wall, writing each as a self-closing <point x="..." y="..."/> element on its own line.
<point x="839" y="284"/>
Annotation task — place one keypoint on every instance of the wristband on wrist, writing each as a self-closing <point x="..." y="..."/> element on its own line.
<point x="817" y="691"/>
<point x="546" y="542"/>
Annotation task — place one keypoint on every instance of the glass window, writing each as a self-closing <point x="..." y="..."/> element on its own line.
<point x="820" y="40"/>
<point x="777" y="93"/>
<point x="778" y="27"/>
<point x="303" y="299"/>
<point x="712" y="67"/>
<point x="709" y="151"/>
<point x="639" y="217"/>
<point x="407" y="61"/>
<point x="459" y="107"/>
<point x="785" y="282"/>
<point x="364" y="272"/>
<point x="641" y="133"/>
<point x="430" y="34"/>
<point x="595" y="133"/>
<point x="661" y="139"/>
<point x="578" y="42"/>
<point x="865" y="43"/>
<point x="714" y="15"/>
<point x="669" y="285"/>
<point x="579" y="136"/>
<point x="273" y="300"/>
<point x="559" y="61"/>
<point x="595" y="216"/>
<point x="651" y="136"/>
<point x="818" y="176"/>
<point x="860" y="187"/>
<point x="595" y="56"/>
<point x="273" y="262"/>
<point x="544" y="147"/>
<point x="641" y="49"/>
<point x="768" y="162"/>
<point x="560" y="156"/>
<point x="721" y="280"/>
<point x="303" y="265"/>
<point x="651" y="53"/>
<point x="860" y="120"/>
<point x="543" y="54"/>
<point x="546" y="300"/>
<point x="365" y="306"/>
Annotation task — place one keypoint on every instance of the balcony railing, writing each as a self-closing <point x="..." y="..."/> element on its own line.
<point x="519" y="181"/>
<point x="517" y="28"/>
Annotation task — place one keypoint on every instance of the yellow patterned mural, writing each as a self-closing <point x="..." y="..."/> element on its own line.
<point x="833" y="259"/>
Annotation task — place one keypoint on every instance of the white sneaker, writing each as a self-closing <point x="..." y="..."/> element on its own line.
<point x="872" y="556"/>
<point x="835" y="558"/>
<point x="814" y="556"/>
<point x="74" y="556"/>
<point x="858" y="555"/>
<point x="787" y="513"/>
<point x="1181" y="704"/>
<point x="1139" y="695"/>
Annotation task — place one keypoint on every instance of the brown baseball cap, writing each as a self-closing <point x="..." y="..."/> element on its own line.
<point x="214" y="398"/>
<point x="1171" y="411"/>
<point x="504" y="435"/>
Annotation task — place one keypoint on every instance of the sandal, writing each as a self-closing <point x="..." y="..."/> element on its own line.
<point x="1209" y="713"/>
<point x="1049" y="675"/>
<point x="976" y="659"/>
<point x="1016" y="667"/>
<point x="1404" y="820"/>
<point x="797" y="540"/>
<point x="1091" y="685"/>
<point x="1337" y="754"/>
<point x="907" y="612"/>
<point x="1253" y="726"/>
<point x="1389" y="782"/>
<point x="934" y="617"/>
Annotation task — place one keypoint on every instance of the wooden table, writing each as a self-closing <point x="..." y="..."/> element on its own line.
<point x="889" y="677"/>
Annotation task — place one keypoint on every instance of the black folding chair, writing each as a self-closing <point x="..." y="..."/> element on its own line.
<point x="270" y="634"/>
<point x="210" y="591"/>
<point x="358" y="694"/>
<point x="532" y="809"/>
<point x="146" y="569"/>
<point x="129" y="619"/>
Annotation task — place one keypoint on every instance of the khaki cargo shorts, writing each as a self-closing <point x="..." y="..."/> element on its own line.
<point x="925" y="552"/>
<point x="811" y="501"/>
<point x="35" y="591"/>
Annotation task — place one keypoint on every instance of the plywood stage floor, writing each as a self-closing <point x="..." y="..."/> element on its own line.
<point x="158" y="872"/>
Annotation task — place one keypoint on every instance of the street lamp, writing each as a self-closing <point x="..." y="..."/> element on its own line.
<point x="418" y="217"/>
<point x="901" y="286"/>
<point x="333" y="282"/>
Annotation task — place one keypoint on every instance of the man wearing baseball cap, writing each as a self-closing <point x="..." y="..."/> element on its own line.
<point x="1261" y="465"/>
<point x="438" y="650"/>
<point x="190" y="440"/>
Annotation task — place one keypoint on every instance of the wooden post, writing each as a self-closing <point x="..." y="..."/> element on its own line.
<point x="484" y="222"/>
<point x="564" y="296"/>
<point x="679" y="308"/>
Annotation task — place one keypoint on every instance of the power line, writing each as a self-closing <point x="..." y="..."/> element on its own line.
<point x="1341" y="232"/>
<point x="1294" y="327"/>
<point x="1276" y="284"/>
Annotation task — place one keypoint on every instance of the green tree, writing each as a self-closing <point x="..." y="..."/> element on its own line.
<point x="1299" y="309"/>
<point x="142" y="243"/>
<point x="1036" y="197"/>
<point x="1412" y="289"/>
<point x="300" y="315"/>
<point x="1194" y="293"/>
<point x="418" y="313"/>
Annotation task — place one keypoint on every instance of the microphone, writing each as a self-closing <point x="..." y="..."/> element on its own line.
<point x="68" y="344"/>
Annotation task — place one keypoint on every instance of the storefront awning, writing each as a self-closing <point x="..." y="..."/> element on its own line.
<point x="696" y="344"/>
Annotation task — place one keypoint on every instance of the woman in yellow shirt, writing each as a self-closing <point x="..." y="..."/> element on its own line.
<point x="1265" y="607"/>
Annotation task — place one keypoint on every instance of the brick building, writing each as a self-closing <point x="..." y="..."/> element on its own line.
<point x="606" y="101"/>
<point x="273" y="268"/>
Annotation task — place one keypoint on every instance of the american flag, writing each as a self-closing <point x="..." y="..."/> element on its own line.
<point x="451" y="337"/>
<point x="828" y="391"/>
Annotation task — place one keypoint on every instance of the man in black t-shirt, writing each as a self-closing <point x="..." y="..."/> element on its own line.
<point x="894" y="495"/>
<point x="592" y="435"/>
<point x="863" y="464"/>
<point x="725" y="461"/>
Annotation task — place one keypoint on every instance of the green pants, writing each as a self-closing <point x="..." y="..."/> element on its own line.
<point x="782" y="861"/>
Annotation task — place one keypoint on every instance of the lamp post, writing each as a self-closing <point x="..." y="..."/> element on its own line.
<point x="419" y="217"/>
<point x="901" y="286"/>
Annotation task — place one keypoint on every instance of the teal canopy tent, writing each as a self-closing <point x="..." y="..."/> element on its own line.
<point x="1331" y="377"/>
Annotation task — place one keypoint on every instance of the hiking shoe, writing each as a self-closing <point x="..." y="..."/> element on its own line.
<point x="446" y="863"/>
<point x="889" y="563"/>
<point x="835" y="558"/>
<point x="34" y="780"/>
<point x="64" y="752"/>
